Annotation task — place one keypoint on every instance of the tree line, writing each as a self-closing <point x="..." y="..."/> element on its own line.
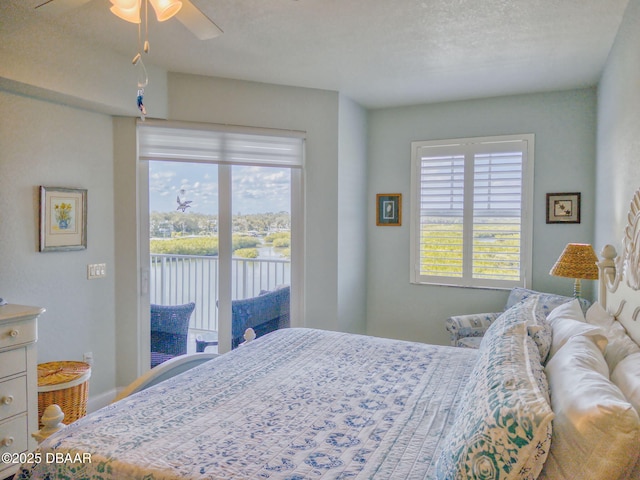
<point x="176" y="224"/>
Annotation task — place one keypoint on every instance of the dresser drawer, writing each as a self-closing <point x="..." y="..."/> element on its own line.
<point x="14" y="334"/>
<point x="13" y="438"/>
<point x="13" y="397"/>
<point x="13" y="362"/>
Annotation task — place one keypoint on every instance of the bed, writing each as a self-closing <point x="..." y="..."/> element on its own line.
<point x="540" y="398"/>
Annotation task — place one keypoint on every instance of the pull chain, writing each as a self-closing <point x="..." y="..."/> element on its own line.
<point x="143" y="78"/>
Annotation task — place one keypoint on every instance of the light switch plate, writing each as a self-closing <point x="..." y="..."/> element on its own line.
<point x="96" y="270"/>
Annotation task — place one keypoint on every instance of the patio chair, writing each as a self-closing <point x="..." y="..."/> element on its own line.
<point x="169" y="331"/>
<point x="265" y="313"/>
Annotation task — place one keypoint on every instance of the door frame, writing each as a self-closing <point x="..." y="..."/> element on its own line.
<point x="225" y="254"/>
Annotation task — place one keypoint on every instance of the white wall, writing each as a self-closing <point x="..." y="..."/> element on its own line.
<point x="352" y="218"/>
<point x="618" y="165"/>
<point x="564" y="124"/>
<point x="53" y="145"/>
<point x="129" y="331"/>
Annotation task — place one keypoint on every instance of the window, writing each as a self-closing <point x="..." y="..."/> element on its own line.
<point x="471" y="211"/>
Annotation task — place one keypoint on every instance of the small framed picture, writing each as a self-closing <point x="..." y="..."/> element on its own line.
<point x="563" y="207"/>
<point x="63" y="219"/>
<point x="389" y="209"/>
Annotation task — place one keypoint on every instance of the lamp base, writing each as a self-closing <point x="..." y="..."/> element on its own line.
<point x="577" y="288"/>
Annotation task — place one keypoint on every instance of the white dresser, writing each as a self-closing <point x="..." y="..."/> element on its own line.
<point x="18" y="383"/>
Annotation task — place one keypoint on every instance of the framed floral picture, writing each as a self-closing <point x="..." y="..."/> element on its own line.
<point x="563" y="207"/>
<point x="63" y="219"/>
<point x="389" y="209"/>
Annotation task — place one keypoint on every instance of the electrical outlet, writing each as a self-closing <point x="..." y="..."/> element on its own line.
<point x="88" y="358"/>
<point x="96" y="270"/>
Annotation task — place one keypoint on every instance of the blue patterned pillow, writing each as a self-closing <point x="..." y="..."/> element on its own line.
<point x="539" y="329"/>
<point x="502" y="428"/>
<point x="549" y="301"/>
<point x="532" y="312"/>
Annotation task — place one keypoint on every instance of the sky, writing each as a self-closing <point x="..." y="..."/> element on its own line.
<point x="255" y="189"/>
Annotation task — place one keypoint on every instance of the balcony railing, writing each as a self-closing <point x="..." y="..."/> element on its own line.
<point x="177" y="279"/>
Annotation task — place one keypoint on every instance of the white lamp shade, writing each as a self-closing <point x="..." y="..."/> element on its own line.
<point x="165" y="9"/>
<point x="126" y="4"/>
<point x="128" y="10"/>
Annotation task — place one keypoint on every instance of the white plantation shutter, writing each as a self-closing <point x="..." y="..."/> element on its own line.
<point x="441" y="214"/>
<point x="471" y="224"/>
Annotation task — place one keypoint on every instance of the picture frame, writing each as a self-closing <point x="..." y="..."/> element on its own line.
<point x="389" y="209"/>
<point x="563" y="207"/>
<point x="63" y="219"/>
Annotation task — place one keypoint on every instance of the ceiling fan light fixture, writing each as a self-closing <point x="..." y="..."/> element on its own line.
<point x="128" y="10"/>
<point x="165" y="9"/>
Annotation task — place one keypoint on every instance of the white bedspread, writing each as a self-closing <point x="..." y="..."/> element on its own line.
<point x="295" y="404"/>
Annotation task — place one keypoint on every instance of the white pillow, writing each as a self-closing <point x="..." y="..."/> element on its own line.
<point x="620" y="345"/>
<point x="597" y="315"/>
<point x="566" y="327"/>
<point x="595" y="430"/>
<point x="627" y="377"/>
<point x="570" y="310"/>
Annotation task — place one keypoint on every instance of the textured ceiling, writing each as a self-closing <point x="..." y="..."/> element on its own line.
<point x="378" y="52"/>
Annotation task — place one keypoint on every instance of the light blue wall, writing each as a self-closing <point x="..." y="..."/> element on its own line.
<point x="618" y="163"/>
<point x="564" y="124"/>
<point x="45" y="143"/>
<point x="352" y="224"/>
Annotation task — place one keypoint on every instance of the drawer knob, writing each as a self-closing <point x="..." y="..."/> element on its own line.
<point x="7" y="442"/>
<point x="14" y="333"/>
<point x="8" y="400"/>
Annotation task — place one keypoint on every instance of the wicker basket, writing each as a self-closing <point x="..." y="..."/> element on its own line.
<point x="65" y="384"/>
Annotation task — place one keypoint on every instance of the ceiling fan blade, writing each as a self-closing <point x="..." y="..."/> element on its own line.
<point x="55" y="7"/>
<point x="196" y="21"/>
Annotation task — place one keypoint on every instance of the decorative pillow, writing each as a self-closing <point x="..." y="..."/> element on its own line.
<point x="502" y="428"/>
<point x="627" y="377"/>
<point x="530" y="312"/>
<point x="595" y="431"/>
<point x="540" y="331"/>
<point x="565" y="324"/>
<point x="620" y="345"/>
<point x="570" y="310"/>
<point x="549" y="301"/>
<point x="522" y="312"/>
<point x="542" y="335"/>
<point x="597" y="315"/>
<point x="537" y="369"/>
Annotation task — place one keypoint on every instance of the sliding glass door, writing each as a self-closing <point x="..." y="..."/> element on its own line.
<point x="222" y="228"/>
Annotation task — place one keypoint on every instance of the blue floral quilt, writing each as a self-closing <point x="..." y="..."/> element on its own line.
<point x="295" y="404"/>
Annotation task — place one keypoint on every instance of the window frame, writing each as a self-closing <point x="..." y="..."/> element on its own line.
<point x="470" y="147"/>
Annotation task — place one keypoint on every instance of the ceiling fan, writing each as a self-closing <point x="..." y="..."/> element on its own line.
<point x="185" y="11"/>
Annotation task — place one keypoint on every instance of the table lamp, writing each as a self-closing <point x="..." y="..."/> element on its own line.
<point x="577" y="261"/>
